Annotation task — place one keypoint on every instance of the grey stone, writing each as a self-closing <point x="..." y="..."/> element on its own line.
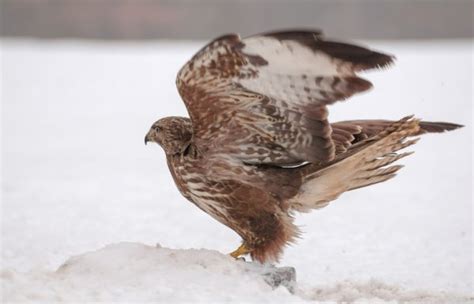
<point x="281" y="276"/>
<point x="275" y="276"/>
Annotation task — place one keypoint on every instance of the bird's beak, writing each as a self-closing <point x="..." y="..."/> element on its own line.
<point x="146" y="139"/>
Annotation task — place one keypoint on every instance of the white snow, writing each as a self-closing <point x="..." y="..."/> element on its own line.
<point x="135" y="272"/>
<point x="76" y="177"/>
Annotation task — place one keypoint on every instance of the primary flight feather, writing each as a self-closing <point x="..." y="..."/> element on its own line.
<point x="258" y="144"/>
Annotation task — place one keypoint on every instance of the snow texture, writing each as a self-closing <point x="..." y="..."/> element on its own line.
<point x="79" y="188"/>
<point x="138" y="273"/>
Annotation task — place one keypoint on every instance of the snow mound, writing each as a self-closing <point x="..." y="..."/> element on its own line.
<point x="136" y="272"/>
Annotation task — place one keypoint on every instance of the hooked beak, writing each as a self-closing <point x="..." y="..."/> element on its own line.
<point x="146" y="139"/>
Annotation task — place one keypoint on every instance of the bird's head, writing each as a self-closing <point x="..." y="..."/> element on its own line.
<point x="173" y="134"/>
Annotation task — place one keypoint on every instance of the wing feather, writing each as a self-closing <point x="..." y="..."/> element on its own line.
<point x="263" y="99"/>
<point x="347" y="133"/>
<point x="367" y="164"/>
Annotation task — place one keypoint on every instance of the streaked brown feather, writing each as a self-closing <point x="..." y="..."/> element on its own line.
<point x="241" y="92"/>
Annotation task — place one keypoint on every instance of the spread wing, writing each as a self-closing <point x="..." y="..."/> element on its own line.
<point x="262" y="99"/>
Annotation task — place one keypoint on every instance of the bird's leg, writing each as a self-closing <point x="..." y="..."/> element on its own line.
<point x="239" y="251"/>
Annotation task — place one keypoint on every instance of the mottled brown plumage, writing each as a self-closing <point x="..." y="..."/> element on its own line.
<point x="258" y="145"/>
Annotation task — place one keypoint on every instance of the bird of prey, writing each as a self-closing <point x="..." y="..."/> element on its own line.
<point x="258" y="147"/>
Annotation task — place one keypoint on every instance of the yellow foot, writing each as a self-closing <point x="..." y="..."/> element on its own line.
<point x="239" y="251"/>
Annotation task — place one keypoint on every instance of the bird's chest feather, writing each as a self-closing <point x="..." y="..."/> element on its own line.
<point x="192" y="182"/>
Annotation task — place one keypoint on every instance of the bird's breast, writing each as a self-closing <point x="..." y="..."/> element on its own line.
<point x="193" y="184"/>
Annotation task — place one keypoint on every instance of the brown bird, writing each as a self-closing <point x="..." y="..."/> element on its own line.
<point x="258" y="145"/>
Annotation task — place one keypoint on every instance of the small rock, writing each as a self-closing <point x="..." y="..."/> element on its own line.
<point x="275" y="276"/>
<point x="281" y="276"/>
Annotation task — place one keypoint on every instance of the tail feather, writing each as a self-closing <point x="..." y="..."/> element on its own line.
<point x="360" y="183"/>
<point x="367" y="150"/>
<point x="364" y="165"/>
<point x="368" y="173"/>
<point x="387" y="160"/>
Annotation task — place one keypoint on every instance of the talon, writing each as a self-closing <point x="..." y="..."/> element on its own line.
<point x="239" y="251"/>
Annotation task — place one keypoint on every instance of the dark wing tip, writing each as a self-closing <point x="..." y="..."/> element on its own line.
<point x="377" y="60"/>
<point x="357" y="84"/>
<point x="295" y="34"/>
<point x="438" y="127"/>
<point x="363" y="58"/>
<point x="229" y="36"/>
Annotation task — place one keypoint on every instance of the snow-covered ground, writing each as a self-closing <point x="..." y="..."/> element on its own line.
<point x="76" y="178"/>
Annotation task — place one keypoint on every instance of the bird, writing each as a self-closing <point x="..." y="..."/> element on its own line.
<point x="258" y="147"/>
